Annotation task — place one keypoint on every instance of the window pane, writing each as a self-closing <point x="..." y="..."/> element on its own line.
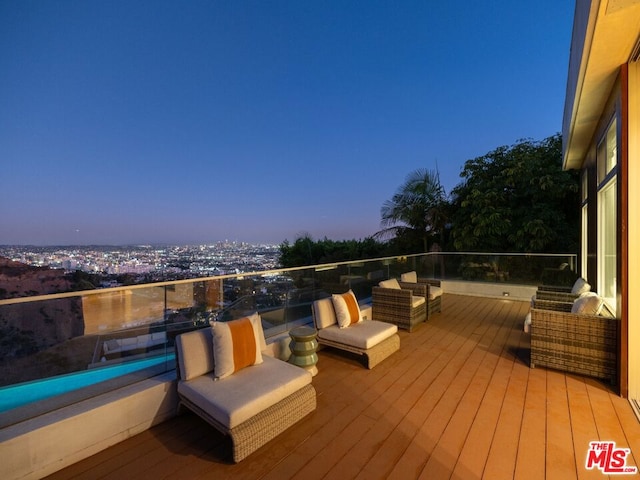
<point x="607" y="152"/>
<point x="607" y="243"/>
<point x="612" y="147"/>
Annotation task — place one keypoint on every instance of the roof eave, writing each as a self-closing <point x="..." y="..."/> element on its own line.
<point x="604" y="36"/>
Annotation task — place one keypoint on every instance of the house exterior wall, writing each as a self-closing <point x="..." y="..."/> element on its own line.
<point x="633" y="230"/>
<point x="611" y="112"/>
<point x="603" y="84"/>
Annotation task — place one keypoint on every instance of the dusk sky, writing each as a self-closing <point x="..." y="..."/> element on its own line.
<point x="137" y="122"/>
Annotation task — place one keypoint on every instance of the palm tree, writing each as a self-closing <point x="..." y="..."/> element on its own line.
<point x="419" y="207"/>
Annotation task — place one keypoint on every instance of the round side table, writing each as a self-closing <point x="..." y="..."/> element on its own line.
<point x="303" y="348"/>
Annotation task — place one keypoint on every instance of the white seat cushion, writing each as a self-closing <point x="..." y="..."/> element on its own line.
<point x="417" y="300"/>
<point x="363" y="335"/>
<point x="434" y="292"/>
<point x="239" y="397"/>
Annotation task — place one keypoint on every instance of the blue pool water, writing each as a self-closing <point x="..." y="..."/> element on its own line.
<point x="17" y="395"/>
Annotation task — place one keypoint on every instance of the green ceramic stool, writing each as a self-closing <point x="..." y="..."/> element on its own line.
<point x="303" y="348"/>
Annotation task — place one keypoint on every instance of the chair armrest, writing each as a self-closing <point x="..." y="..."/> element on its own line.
<point x="430" y="281"/>
<point x="556" y="296"/>
<point x="556" y="306"/>
<point x="554" y="288"/>
<point x="402" y="295"/>
<point x="418" y="289"/>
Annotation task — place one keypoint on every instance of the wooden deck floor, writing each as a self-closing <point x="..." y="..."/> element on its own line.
<point x="457" y="401"/>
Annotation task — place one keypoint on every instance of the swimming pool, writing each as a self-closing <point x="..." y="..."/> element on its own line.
<point x="22" y="394"/>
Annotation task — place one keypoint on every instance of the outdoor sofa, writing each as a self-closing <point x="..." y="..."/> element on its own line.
<point x="251" y="405"/>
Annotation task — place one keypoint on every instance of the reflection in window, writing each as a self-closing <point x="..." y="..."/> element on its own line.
<point x="607" y="244"/>
<point x="607" y="152"/>
<point x="607" y="218"/>
<point x="585" y="222"/>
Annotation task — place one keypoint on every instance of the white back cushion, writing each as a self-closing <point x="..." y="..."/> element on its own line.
<point x="323" y="313"/>
<point x="409" y="277"/>
<point x="391" y="283"/>
<point x="195" y="355"/>
<point x="581" y="286"/>
<point x="589" y="303"/>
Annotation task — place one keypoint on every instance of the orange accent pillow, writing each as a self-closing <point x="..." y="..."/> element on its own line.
<point x="347" y="309"/>
<point x="244" y="343"/>
<point x="236" y="345"/>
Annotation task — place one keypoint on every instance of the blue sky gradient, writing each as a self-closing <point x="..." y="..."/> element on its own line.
<point x="127" y="122"/>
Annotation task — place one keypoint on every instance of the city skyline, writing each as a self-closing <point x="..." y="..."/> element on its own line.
<point x="158" y="122"/>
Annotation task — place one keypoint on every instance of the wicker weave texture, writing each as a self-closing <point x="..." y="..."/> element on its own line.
<point x="554" y="288"/>
<point x="371" y="356"/>
<point x="555" y="296"/>
<point x="419" y="289"/>
<point x="266" y="425"/>
<point x="395" y="306"/>
<point x="422" y="289"/>
<point x="582" y="344"/>
<point x="379" y="352"/>
<point x="435" y="305"/>
<point x="263" y="427"/>
<point x="557" y="306"/>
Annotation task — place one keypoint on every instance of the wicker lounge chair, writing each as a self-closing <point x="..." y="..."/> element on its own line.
<point x="556" y="305"/>
<point x="404" y="307"/>
<point x="562" y="294"/>
<point x="253" y="405"/>
<point x="434" y="290"/>
<point x="575" y="343"/>
<point x="371" y="339"/>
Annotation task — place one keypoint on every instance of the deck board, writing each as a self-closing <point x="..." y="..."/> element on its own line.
<point x="457" y="401"/>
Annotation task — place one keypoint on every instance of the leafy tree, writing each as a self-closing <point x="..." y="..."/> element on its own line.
<point x="306" y="251"/>
<point x="84" y="281"/>
<point x="417" y="211"/>
<point x="517" y="199"/>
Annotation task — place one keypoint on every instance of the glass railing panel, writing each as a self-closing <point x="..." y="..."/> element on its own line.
<point x="124" y="334"/>
<point x="56" y="351"/>
<point x="365" y="275"/>
<point x="43" y="338"/>
<point x="504" y="268"/>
